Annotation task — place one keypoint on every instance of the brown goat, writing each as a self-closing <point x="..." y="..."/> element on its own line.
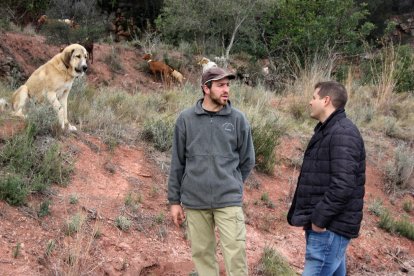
<point x="159" y="67"/>
<point x="88" y="44"/>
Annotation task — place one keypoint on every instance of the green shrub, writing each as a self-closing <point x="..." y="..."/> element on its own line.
<point x="74" y="224"/>
<point x="399" y="171"/>
<point x="123" y="223"/>
<point x="160" y="132"/>
<point x="44" y="209"/>
<point x="13" y="190"/>
<point x="408" y="206"/>
<point x="73" y="199"/>
<point x="403" y="227"/>
<point x="376" y="207"/>
<point x="266" y="134"/>
<point x="273" y="264"/>
<point x="34" y="156"/>
<point x="404" y="69"/>
<point x="159" y="218"/>
<point x="386" y="222"/>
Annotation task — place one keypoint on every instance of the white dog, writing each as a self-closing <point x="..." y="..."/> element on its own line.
<point x="206" y="63"/>
<point x="52" y="82"/>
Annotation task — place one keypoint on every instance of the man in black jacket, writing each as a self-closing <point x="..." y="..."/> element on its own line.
<point x="328" y="200"/>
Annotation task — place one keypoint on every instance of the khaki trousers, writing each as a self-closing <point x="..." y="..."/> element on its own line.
<point x="232" y="231"/>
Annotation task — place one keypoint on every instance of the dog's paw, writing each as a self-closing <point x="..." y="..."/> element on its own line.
<point x="72" y="128"/>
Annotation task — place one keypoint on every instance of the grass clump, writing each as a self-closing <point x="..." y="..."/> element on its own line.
<point x="13" y="190"/>
<point x="408" y="206"/>
<point x="376" y="207"/>
<point x="399" y="171"/>
<point x="273" y="264"/>
<point x="44" y="209"/>
<point x="123" y="223"/>
<point x="403" y="227"/>
<point x="74" y="199"/>
<point x="74" y="224"/>
<point x="160" y="132"/>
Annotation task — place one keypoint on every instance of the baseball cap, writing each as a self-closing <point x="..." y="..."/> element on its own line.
<point x="215" y="73"/>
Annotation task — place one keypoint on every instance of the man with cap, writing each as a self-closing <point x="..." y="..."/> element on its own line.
<point x="212" y="156"/>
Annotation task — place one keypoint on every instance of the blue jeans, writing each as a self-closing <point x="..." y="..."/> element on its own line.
<point x="325" y="254"/>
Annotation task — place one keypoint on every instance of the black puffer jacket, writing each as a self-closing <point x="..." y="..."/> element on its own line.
<point x="330" y="188"/>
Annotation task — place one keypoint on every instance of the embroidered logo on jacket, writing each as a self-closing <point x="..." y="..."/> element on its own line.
<point x="228" y="127"/>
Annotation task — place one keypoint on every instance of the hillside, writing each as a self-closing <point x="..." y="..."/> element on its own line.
<point x="103" y="179"/>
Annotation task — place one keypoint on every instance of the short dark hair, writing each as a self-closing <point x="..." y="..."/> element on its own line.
<point x="335" y="90"/>
<point x="209" y="84"/>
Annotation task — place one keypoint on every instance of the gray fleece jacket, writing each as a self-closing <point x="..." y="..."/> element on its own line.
<point x="212" y="156"/>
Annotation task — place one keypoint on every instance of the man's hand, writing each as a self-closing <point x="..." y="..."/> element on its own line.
<point x="177" y="214"/>
<point x="317" y="228"/>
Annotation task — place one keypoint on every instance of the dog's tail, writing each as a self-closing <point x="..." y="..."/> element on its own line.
<point x="4" y="105"/>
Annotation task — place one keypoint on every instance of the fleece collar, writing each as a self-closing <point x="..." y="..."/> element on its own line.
<point x="199" y="110"/>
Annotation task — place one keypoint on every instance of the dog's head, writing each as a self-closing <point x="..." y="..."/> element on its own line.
<point x="146" y="57"/>
<point x="202" y="61"/>
<point x="74" y="57"/>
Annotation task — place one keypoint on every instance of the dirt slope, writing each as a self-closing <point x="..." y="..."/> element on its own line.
<point x="103" y="181"/>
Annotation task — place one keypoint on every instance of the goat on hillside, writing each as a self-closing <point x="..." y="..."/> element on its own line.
<point x="45" y="20"/>
<point x="177" y="76"/>
<point x="159" y="67"/>
<point x="88" y="44"/>
<point x="206" y="63"/>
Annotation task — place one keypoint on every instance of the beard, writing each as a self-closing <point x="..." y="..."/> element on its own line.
<point x="218" y="100"/>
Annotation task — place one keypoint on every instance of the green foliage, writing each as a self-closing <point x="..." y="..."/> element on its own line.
<point x="13" y="190"/>
<point x="403" y="227"/>
<point x="31" y="160"/>
<point x="399" y="171"/>
<point x="16" y="250"/>
<point x="74" y="224"/>
<point x="73" y="199"/>
<point x="305" y="26"/>
<point x="123" y="223"/>
<point x="159" y="219"/>
<point x="376" y="207"/>
<point x="85" y="14"/>
<point x="404" y="69"/>
<point x="183" y="20"/>
<point x="50" y="246"/>
<point x="44" y="209"/>
<point x="266" y="133"/>
<point x="408" y="206"/>
<point x="160" y="132"/>
<point x="398" y="60"/>
<point x="273" y="264"/>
